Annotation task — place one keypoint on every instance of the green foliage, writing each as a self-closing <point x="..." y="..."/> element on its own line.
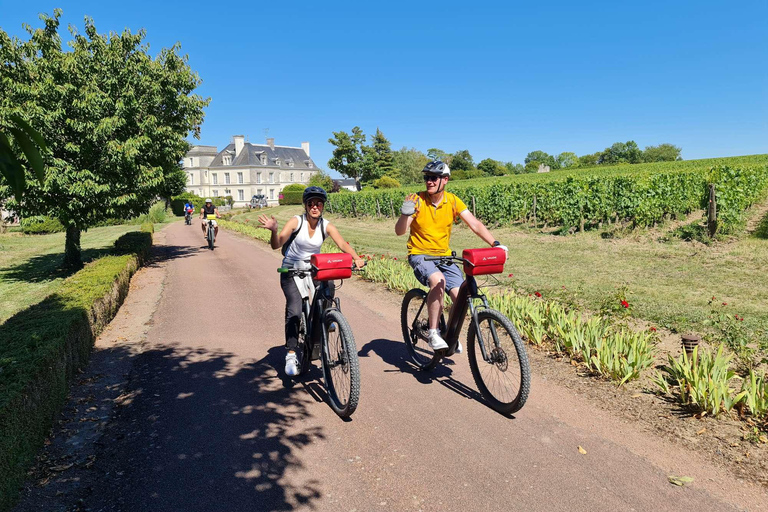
<point x="40" y="225"/>
<point x="514" y="168"/>
<point x="115" y="120"/>
<point x="291" y="196"/>
<point x="567" y="160"/>
<point x="156" y="214"/>
<point x="662" y="153"/>
<point x="407" y="165"/>
<point x="621" y="153"/>
<point x="386" y="182"/>
<point x="322" y="180"/>
<point x="589" y="160"/>
<point x="294" y="187"/>
<point x="383" y="159"/>
<point x="703" y="381"/>
<point x="438" y="154"/>
<point x="729" y="329"/>
<point x="491" y="167"/>
<point x="12" y="165"/>
<point x="43" y="348"/>
<point x="540" y="157"/>
<point x="462" y="161"/>
<point x="351" y="157"/>
<point x="642" y="194"/>
<point x="755" y="394"/>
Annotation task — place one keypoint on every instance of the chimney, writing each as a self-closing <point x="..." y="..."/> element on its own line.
<point x="239" y="143"/>
<point x="305" y="147"/>
<point x="271" y="143"/>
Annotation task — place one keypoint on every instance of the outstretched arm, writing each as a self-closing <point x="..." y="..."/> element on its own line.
<point x="270" y="223"/>
<point x="477" y="227"/>
<point x="344" y="245"/>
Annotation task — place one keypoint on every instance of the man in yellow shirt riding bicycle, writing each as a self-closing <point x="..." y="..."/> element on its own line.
<point x="430" y="216"/>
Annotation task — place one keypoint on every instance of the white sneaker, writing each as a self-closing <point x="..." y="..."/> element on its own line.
<point x="436" y="341"/>
<point x="459" y="349"/>
<point x="291" y="364"/>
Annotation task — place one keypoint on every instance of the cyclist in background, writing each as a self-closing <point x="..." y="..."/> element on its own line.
<point x="188" y="211"/>
<point x="206" y="210"/>
<point x="301" y="237"/>
<point x="430" y="215"/>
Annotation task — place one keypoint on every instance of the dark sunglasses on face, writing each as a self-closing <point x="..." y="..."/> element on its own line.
<point x="431" y="177"/>
<point x="312" y="204"/>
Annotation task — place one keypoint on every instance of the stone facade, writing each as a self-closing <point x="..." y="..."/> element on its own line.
<point x="242" y="169"/>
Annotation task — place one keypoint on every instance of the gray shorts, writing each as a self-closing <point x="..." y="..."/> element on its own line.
<point x="422" y="269"/>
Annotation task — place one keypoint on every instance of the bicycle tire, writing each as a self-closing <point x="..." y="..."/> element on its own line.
<point x="210" y="237"/>
<point x="305" y="361"/>
<point x="340" y="365"/>
<point x="415" y="329"/>
<point x="514" y="371"/>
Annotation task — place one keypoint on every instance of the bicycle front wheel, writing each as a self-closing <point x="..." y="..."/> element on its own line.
<point x="414" y="320"/>
<point x="340" y="364"/>
<point x="505" y="380"/>
<point x="210" y="237"/>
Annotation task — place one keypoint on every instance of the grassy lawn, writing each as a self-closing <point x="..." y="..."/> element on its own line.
<point x="668" y="283"/>
<point x="29" y="264"/>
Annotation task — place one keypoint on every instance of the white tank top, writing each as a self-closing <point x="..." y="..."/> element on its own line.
<point x="304" y="246"/>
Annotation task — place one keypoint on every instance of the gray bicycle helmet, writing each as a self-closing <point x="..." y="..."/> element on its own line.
<point x="314" y="192"/>
<point x="437" y="167"/>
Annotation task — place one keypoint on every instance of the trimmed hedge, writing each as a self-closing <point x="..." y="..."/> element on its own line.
<point x="41" y="225"/>
<point x="44" y="345"/>
<point x="291" y="197"/>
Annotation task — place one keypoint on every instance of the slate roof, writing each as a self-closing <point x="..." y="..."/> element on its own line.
<point x="250" y="156"/>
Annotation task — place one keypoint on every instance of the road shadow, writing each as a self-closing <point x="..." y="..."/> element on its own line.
<point x="395" y="354"/>
<point x="201" y="430"/>
<point x="47" y="267"/>
<point x="162" y="253"/>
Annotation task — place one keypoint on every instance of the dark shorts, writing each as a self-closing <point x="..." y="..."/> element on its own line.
<point x="422" y="269"/>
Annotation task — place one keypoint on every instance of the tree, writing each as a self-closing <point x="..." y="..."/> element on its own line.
<point x="461" y="161"/>
<point x="382" y="155"/>
<point x="567" y="159"/>
<point x="662" y="153"/>
<point x="351" y="157"/>
<point x="621" y="153"/>
<point x="491" y="167"/>
<point x="322" y="180"/>
<point x="386" y="182"/>
<point x="540" y="157"/>
<point x="438" y="154"/>
<point x="589" y="160"/>
<point x="115" y="120"/>
<point x="514" y="168"/>
<point x="12" y="164"/>
<point x="532" y="167"/>
<point x="407" y="164"/>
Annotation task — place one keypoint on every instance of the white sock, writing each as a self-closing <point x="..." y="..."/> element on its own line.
<point x="433" y="331"/>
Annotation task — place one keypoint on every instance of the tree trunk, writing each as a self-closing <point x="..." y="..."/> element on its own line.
<point x="72" y="257"/>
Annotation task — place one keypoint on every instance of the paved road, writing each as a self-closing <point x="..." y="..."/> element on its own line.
<point x="212" y="424"/>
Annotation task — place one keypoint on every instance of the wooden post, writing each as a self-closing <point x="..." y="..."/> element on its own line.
<point x="534" y="211"/>
<point x="354" y="210"/>
<point x="712" y="212"/>
<point x="392" y="205"/>
<point x="581" y="224"/>
<point x="378" y="208"/>
<point x="473" y="206"/>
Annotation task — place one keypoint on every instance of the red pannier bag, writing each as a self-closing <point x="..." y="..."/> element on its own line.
<point x="484" y="261"/>
<point x="330" y="266"/>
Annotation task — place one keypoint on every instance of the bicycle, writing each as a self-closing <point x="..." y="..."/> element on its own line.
<point x="498" y="360"/>
<point x="324" y="332"/>
<point x="187" y="218"/>
<point x="210" y="232"/>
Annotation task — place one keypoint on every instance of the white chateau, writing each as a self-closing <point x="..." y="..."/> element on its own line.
<point x="242" y="169"/>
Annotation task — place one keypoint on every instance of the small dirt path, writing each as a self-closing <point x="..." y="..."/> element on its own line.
<point x="207" y="420"/>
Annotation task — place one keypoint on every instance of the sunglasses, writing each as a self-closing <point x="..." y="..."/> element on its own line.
<point x="312" y="204"/>
<point x="431" y="177"/>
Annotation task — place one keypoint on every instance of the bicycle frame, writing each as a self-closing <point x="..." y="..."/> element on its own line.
<point x="313" y="313"/>
<point x="468" y="293"/>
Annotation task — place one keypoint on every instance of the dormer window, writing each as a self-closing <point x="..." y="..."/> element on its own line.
<point x="289" y="162"/>
<point x="227" y="160"/>
<point x="263" y="159"/>
<point x="309" y="164"/>
<point x="277" y="162"/>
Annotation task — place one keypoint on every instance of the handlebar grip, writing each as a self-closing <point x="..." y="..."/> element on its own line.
<point x="283" y="270"/>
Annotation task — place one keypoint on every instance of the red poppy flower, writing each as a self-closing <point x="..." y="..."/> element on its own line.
<point x="725" y="303"/>
<point x="736" y="317"/>
<point x="625" y="303"/>
<point x="510" y="275"/>
<point x="713" y="297"/>
<point x="653" y="329"/>
<point x="537" y="294"/>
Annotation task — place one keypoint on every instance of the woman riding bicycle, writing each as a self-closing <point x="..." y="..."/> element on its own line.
<point x="430" y="216"/>
<point x="302" y="235"/>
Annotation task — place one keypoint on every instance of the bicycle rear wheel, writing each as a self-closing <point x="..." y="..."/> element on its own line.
<point x="305" y="359"/>
<point x="505" y="381"/>
<point x="210" y="237"/>
<point x="341" y="367"/>
<point x="414" y="320"/>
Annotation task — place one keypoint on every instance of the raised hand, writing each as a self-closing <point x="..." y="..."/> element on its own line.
<point x="410" y="205"/>
<point x="269" y="223"/>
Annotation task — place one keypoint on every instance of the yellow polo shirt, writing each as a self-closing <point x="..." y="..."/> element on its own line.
<point x="431" y="226"/>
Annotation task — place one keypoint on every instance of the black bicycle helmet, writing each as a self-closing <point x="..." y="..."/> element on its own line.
<point x="437" y="167"/>
<point x="314" y="192"/>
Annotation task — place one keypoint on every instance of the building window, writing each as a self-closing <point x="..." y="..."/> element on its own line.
<point x="215" y="178"/>
<point x="271" y="193"/>
<point x="239" y="177"/>
<point x="241" y="195"/>
<point x="302" y="177"/>
<point x="291" y="176"/>
<point x="227" y="192"/>
<point x="271" y="177"/>
<point x="191" y="162"/>
<point x="263" y="159"/>
<point x="258" y="191"/>
<point x="200" y="192"/>
<point x="227" y="160"/>
<point x="191" y="179"/>
<point x="290" y="163"/>
<point x="226" y="178"/>
<point x="258" y="177"/>
<point x="309" y="164"/>
<point x="277" y="162"/>
<point x="215" y="193"/>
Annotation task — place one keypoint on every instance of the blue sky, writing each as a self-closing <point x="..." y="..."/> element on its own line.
<point x="498" y="79"/>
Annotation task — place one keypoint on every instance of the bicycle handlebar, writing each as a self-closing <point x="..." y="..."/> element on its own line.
<point x="452" y="258"/>
<point x="313" y="269"/>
